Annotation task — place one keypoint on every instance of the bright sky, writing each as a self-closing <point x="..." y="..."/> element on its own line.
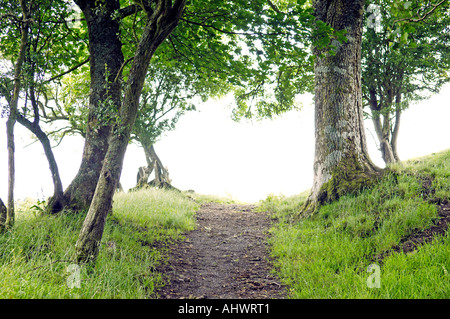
<point x="211" y="154"/>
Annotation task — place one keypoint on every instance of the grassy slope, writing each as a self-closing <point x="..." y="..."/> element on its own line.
<point x="328" y="256"/>
<point x="35" y="256"/>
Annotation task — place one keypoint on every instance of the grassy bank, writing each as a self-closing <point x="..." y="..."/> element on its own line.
<point x="35" y="257"/>
<point x="328" y="256"/>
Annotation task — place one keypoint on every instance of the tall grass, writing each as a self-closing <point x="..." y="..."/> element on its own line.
<point x="36" y="256"/>
<point x="328" y="255"/>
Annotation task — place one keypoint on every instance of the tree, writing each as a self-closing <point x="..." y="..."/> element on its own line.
<point x="341" y="163"/>
<point x="44" y="55"/>
<point x="106" y="64"/>
<point x="13" y="100"/>
<point x="163" y="101"/>
<point x="394" y="77"/>
<point x="162" y="19"/>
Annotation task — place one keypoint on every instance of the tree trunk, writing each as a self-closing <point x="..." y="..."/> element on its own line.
<point x="43" y="138"/>
<point x="153" y="164"/>
<point x="160" y="24"/>
<point x="387" y="137"/>
<point x="9" y="221"/>
<point x="342" y="164"/>
<point x="13" y="102"/>
<point x="106" y="60"/>
<point x="3" y="212"/>
<point x="394" y="137"/>
<point x="387" y="153"/>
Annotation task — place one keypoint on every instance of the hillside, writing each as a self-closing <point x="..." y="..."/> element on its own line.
<point x="393" y="236"/>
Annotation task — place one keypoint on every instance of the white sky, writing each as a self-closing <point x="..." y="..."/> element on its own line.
<point x="211" y="154"/>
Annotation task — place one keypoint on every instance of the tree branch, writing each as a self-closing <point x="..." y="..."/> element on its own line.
<point x="274" y="7"/>
<point x="127" y="11"/>
<point x="121" y="68"/>
<point x="68" y="71"/>
<point x="229" y="32"/>
<point x="424" y="16"/>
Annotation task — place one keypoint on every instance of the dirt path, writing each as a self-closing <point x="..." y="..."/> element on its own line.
<point x="225" y="257"/>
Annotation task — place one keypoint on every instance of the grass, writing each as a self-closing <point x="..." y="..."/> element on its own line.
<point x="35" y="256"/>
<point x="328" y="255"/>
<point x="204" y="198"/>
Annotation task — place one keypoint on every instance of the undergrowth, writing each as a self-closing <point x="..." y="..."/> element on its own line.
<point x="329" y="254"/>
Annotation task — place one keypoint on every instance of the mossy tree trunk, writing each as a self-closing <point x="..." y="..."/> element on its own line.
<point x="106" y="59"/>
<point x="342" y="164"/>
<point x="161" y="22"/>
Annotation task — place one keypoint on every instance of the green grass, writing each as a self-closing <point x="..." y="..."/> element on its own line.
<point x="35" y="256"/>
<point x="204" y="198"/>
<point x="328" y="255"/>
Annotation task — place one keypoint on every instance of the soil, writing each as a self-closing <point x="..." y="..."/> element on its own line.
<point x="225" y="257"/>
<point x="420" y="237"/>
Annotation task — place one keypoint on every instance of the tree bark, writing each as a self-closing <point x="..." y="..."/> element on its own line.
<point x="160" y="24"/>
<point x="106" y="60"/>
<point x="9" y="220"/>
<point x="342" y="164"/>
<point x="385" y="145"/>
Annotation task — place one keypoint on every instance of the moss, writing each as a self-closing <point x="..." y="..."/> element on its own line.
<point x="348" y="177"/>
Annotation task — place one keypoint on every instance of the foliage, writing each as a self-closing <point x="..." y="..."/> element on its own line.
<point x="260" y="53"/>
<point x="54" y="47"/>
<point x="260" y="50"/>
<point x="406" y="14"/>
<point x="413" y="70"/>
